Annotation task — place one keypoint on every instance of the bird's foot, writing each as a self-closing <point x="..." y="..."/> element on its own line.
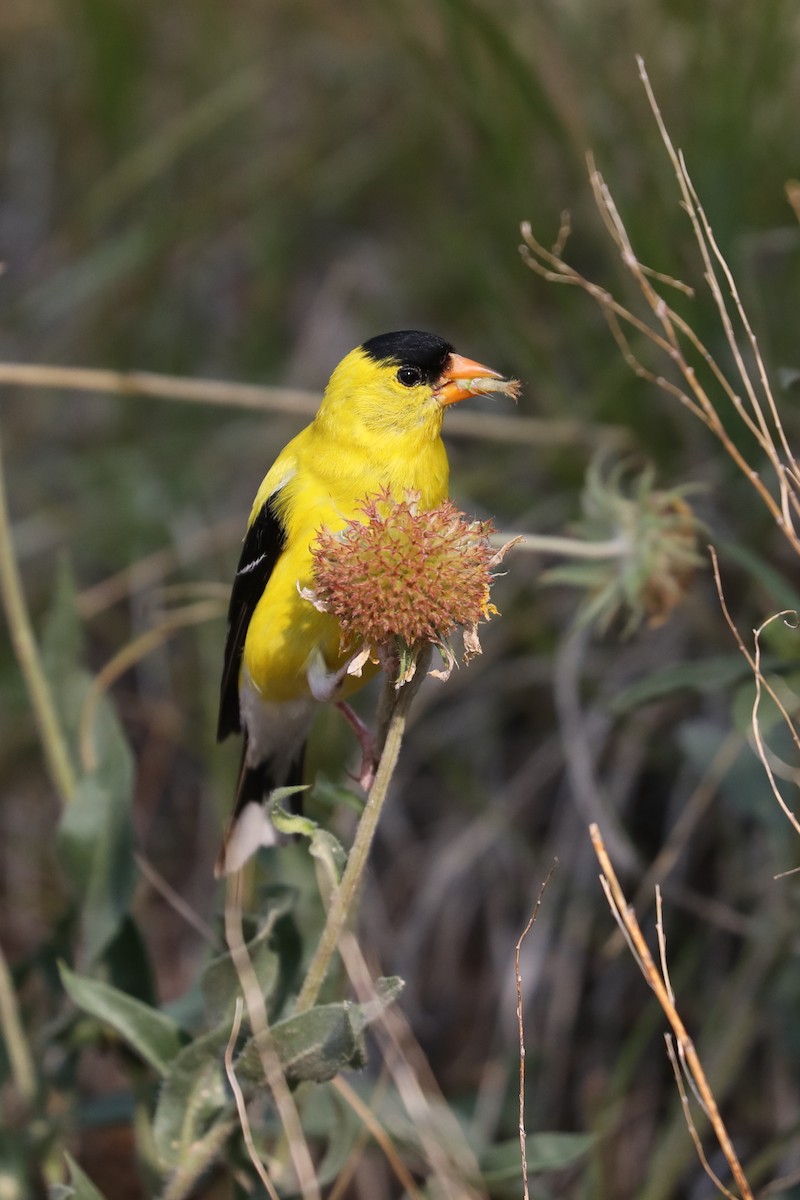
<point x="366" y="740"/>
<point x="323" y="683"/>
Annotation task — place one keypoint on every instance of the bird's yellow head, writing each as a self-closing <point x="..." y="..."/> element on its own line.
<point x="400" y="383"/>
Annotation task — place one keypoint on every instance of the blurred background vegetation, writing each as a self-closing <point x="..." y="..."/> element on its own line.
<point x="246" y="192"/>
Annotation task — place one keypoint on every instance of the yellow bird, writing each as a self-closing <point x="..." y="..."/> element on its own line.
<point x="378" y="426"/>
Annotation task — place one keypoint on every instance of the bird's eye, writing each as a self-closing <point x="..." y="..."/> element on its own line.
<point x="409" y="376"/>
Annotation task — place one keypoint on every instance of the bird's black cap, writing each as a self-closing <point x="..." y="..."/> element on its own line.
<point x="411" y="348"/>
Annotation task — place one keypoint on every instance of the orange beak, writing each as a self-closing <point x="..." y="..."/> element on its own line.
<point x="461" y="378"/>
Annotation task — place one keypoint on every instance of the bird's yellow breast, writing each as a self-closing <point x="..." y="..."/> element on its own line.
<point x="322" y="478"/>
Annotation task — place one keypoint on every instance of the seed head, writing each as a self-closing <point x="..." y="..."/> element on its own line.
<point x="654" y="533"/>
<point x="397" y="577"/>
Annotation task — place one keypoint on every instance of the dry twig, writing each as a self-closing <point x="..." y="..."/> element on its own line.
<point x="259" y="1024"/>
<point x="679" y="1071"/>
<point x="176" y="902"/>
<point x="626" y="919"/>
<point x="762" y="684"/>
<point x="374" y="1128"/>
<point x="674" y="338"/>
<point x="241" y="1106"/>
<point x="451" y="1159"/>
<point x="292" y="401"/>
<point x="517" y="951"/>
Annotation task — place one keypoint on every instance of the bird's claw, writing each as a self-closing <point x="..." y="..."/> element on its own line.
<point x="366" y="775"/>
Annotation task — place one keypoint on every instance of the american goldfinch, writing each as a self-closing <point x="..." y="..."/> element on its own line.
<point x="378" y="427"/>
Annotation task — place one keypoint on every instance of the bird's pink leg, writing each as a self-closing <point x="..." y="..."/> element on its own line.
<point x="369" y="752"/>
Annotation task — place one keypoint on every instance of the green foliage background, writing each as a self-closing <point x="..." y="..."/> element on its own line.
<point x="246" y="192"/>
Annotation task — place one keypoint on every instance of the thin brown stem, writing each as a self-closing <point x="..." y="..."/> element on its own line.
<point x="259" y="1023"/>
<point x="678" y="1070"/>
<point x="673" y="337"/>
<point x="174" y="899"/>
<point x="626" y="918"/>
<point x="762" y="684"/>
<point x="371" y="1123"/>
<point x="162" y="387"/>
<point x="521" y="1030"/>
<point x="241" y="1106"/>
<point x="451" y="1158"/>
<point x="292" y="401"/>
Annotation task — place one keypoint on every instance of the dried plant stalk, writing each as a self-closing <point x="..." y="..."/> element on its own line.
<point x="749" y="395"/>
<point x="521" y="1030"/>
<point x="449" y="1155"/>
<point x="291" y="401"/>
<point x="762" y="685"/>
<point x="241" y="1105"/>
<point x="375" y="1129"/>
<point x="274" y="1076"/>
<point x="626" y="919"/>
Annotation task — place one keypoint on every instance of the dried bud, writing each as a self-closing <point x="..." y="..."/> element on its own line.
<point x="651" y="537"/>
<point x="397" y="578"/>
<point x="672" y="555"/>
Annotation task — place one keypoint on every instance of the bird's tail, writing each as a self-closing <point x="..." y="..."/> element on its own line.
<point x="249" y="825"/>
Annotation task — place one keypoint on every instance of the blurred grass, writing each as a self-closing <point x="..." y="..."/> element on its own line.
<point x="249" y="192"/>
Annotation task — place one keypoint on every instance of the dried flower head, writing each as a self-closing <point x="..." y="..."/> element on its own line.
<point x="398" y="577"/>
<point x="651" y="537"/>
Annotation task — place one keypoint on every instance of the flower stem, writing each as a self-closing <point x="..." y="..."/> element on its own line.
<point x="343" y="899"/>
<point x="540" y="543"/>
<point x="20" y="1058"/>
<point x="56" y="753"/>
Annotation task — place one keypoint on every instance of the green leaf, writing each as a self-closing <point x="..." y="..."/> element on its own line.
<point x="708" y="675"/>
<point x="194" y="1094"/>
<point x="317" y="1044"/>
<point x="95" y="840"/>
<point x="152" y="1035"/>
<point x="314" y="1045"/>
<point x="332" y="794"/>
<point x="272" y="944"/>
<point x="221" y="986"/>
<point x="80" y="1185"/>
<point x="288" y="822"/>
<point x="62" y="651"/>
<point x="286" y="940"/>
<point x="553" y="1151"/>
<point x="95" y="834"/>
<point x="326" y="1117"/>
<point x="387" y="989"/>
<point x="126" y="964"/>
<point x="502" y="1164"/>
<point x="187" y="1010"/>
<point x="441" y="1123"/>
<point x="324" y="846"/>
<point x="765" y="575"/>
<point x="199" y="1155"/>
<point x="745" y="785"/>
<point x="15" y="1174"/>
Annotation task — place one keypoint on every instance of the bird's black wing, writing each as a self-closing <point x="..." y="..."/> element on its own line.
<point x="263" y="543"/>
